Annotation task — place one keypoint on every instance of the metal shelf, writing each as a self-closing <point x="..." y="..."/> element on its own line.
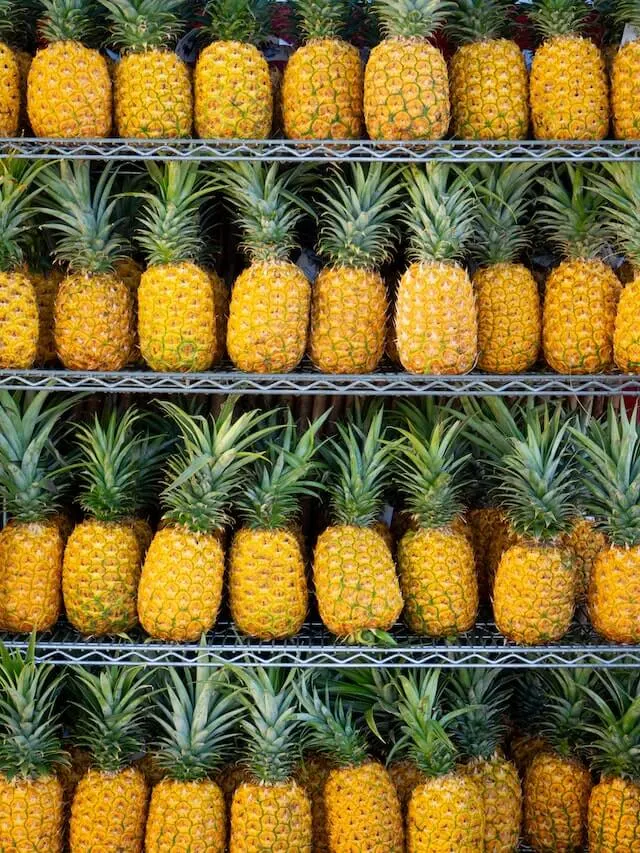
<point x="317" y="151"/>
<point x="316" y="647"/>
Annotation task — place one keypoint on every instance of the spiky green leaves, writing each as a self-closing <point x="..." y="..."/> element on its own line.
<point x="619" y="187"/>
<point x="322" y="19"/>
<point x="621" y="11"/>
<point x="566" y="708"/>
<point x="614" y="738"/>
<point x="412" y="19"/>
<point x="70" y="20"/>
<point x="479" y="20"/>
<point x="553" y="18"/>
<point x="141" y="25"/>
<point x="484" y="696"/>
<point x="16" y="209"/>
<point x="238" y="20"/>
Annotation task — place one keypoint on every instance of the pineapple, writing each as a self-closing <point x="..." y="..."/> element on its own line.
<point x="312" y="775"/>
<point x="509" y="311"/>
<point x="361" y="804"/>
<point x="69" y="85"/>
<point x="482" y="696"/>
<point x="181" y="582"/>
<point x="31" y="487"/>
<point x="625" y="74"/>
<point x="569" y="89"/>
<point x="46" y="282"/>
<point x="233" y="89"/>
<point x="349" y="303"/>
<point x="270" y="811"/>
<point x="406" y="777"/>
<point x="176" y="306"/>
<point x="354" y="573"/>
<point x="436" y="560"/>
<point x="585" y="542"/>
<point x="109" y="806"/>
<point x="582" y="293"/>
<point x="436" y="320"/>
<point x="187" y="808"/>
<point x="93" y="307"/>
<point x="269" y="310"/>
<point x="267" y="579"/>
<point x="152" y="85"/>
<point x="13" y="21"/>
<point x="406" y="84"/>
<point x="31" y="800"/>
<point x="489" y="79"/>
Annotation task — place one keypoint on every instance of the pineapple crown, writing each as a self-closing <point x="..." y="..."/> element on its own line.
<point x="12" y="20"/>
<point x="622" y="12"/>
<point x="272" y="744"/>
<point x="484" y="695"/>
<point x="322" y="19"/>
<point x="619" y="187"/>
<point x="81" y="218"/>
<point x="31" y="470"/>
<point x="566" y="709"/>
<point x="479" y="20"/>
<point x="430" y="467"/>
<point x="614" y="736"/>
<point x="355" y="223"/>
<point x="610" y="461"/>
<point x="31" y="743"/>
<point x="440" y="216"/>
<point x="16" y="210"/>
<point x="412" y="19"/>
<point x="209" y="470"/>
<point x="281" y="477"/>
<point x="141" y="25"/>
<point x="238" y="20"/>
<point x="70" y="20"/>
<point x="529" y="700"/>
<point x="553" y="18"/>
<point x="112" y="705"/>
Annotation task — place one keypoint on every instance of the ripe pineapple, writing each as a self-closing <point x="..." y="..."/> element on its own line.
<point x="312" y="775"/>
<point x="93" y="308"/>
<point x="488" y="76"/>
<point x="31" y="801"/>
<point x="483" y="696"/>
<point x="176" y="307"/>
<point x="509" y="312"/>
<point x="585" y="542"/>
<point x="196" y="719"/>
<point x="406" y="83"/>
<point x="436" y="321"/>
<point x="270" y="811"/>
<point x="12" y="24"/>
<point x="181" y="582"/>
<point x="436" y="560"/>
<point x="625" y="74"/>
<point x="582" y="293"/>
<point x="349" y="303"/>
<point x="269" y="310"/>
<point x="323" y="79"/>
<point x="31" y="487"/>
<point x="569" y="89"/>
<point x="46" y="282"/>
<point x="267" y="578"/>
<point x="233" y="89"/>
<point x="354" y="573"/>
<point x="406" y="777"/>
<point x="69" y="85"/>
<point x="109" y="806"/>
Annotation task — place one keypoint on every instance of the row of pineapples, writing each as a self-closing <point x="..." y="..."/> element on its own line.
<point x="106" y="310"/>
<point x="262" y="760"/>
<point x="535" y="553"/>
<point x="406" y="90"/>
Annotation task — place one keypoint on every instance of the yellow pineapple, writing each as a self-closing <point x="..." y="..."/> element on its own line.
<point x="14" y="25"/>
<point x="406" y="776"/>
<point x="312" y="773"/>
<point x="46" y="282"/>
<point x="69" y="85"/>
<point x="323" y="79"/>
<point x="585" y="542"/>
<point x="625" y="73"/>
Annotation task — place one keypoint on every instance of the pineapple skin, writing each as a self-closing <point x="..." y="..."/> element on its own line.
<point x="363" y="810"/>
<point x="233" y="92"/>
<point x="10" y="91"/>
<point x="267" y="583"/>
<point x="269" y="317"/>
<point x="176" y="324"/>
<point x="614" y="816"/>
<point x="355" y="580"/>
<point x="19" y="321"/>
<point x="569" y="90"/>
<point x="556" y="798"/>
<point x="221" y="299"/>
<point x="534" y="593"/>
<point x="439" y="581"/>
<point x="153" y="96"/>
<point x="406" y="776"/>
<point x="584" y="542"/>
<point x="270" y="817"/>
<point x="69" y="92"/>
<point x="312" y="775"/>
<point x="100" y="574"/>
<point x="186" y="816"/>
<point x="31" y="577"/>
<point x="406" y="91"/>
<point x="348" y="320"/>
<point x="46" y="287"/>
<point x="625" y="91"/>
<point x="626" y="335"/>
<point x="509" y="318"/>
<point x="436" y="319"/>
<point x="109" y="811"/>
<point x="93" y="322"/>
<point x="489" y="91"/>
<point x="501" y="792"/>
<point x="322" y="91"/>
<point x="485" y="525"/>
<point x="130" y="272"/>
<point x="446" y="813"/>
<point x="614" y="594"/>
<point x="181" y="584"/>
<point x="523" y="749"/>
<point x="581" y="299"/>
<point x="31" y="815"/>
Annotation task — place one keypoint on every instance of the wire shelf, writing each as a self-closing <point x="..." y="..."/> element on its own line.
<point x="316" y="647"/>
<point x="317" y="151"/>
